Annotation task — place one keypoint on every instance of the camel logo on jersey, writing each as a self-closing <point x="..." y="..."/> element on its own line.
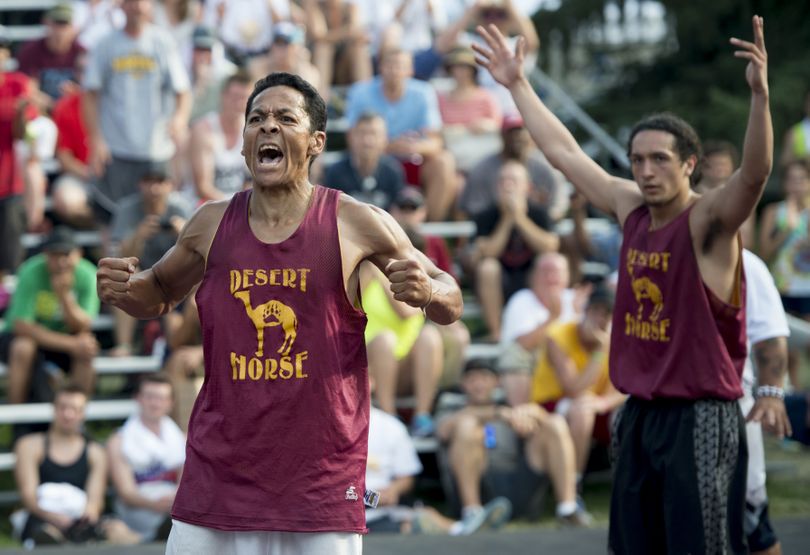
<point x="269" y="314"/>
<point x="646" y="292"/>
<point x="643" y="288"/>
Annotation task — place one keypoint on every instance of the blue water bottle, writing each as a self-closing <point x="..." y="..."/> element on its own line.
<point x="489" y="436"/>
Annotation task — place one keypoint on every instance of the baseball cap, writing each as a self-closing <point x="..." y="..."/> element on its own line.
<point x="60" y="13"/>
<point x="477" y="364"/>
<point x="288" y="32"/>
<point x="61" y="239"/>
<point x="157" y="171"/>
<point x="460" y="55"/>
<point x="203" y="38"/>
<point x="512" y="121"/>
<point x="409" y="198"/>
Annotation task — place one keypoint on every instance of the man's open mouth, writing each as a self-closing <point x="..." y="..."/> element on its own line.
<point x="270" y="155"/>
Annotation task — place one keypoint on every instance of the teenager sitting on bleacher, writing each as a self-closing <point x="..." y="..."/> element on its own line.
<point x="411" y="112"/>
<point x="146" y="460"/>
<point x="404" y="355"/>
<point x="496" y="449"/>
<point x="62" y="479"/>
<point x="48" y="321"/>
<point x="509" y="235"/>
<point x="365" y="171"/>
<point x="146" y="225"/>
<point x="410" y="212"/>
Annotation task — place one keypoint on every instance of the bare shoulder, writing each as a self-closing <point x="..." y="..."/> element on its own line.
<point x="627" y="197"/>
<point x="367" y="227"/>
<point x="199" y="231"/>
<point x="95" y="452"/>
<point x="31" y="447"/>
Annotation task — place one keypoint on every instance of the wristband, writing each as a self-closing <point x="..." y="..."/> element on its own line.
<point x="770" y="391"/>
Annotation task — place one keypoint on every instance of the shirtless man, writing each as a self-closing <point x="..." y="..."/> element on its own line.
<point x="678" y="337"/>
<point x="277" y="441"/>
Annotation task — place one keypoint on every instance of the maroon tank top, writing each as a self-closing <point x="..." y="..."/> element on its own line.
<point x="672" y="337"/>
<point x="278" y="436"/>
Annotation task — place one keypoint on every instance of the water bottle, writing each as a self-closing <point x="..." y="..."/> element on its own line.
<point x="489" y="436"/>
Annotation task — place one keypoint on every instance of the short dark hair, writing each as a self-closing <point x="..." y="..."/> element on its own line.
<point x="712" y="148"/>
<point x="368" y="116"/>
<point x="70" y="388"/>
<point x="313" y="102"/>
<point x="687" y="142"/>
<point x="158" y="378"/>
<point x="241" y="77"/>
<point x="601" y="297"/>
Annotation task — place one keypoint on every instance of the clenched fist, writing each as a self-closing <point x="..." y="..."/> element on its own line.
<point x="409" y="282"/>
<point x="112" y="278"/>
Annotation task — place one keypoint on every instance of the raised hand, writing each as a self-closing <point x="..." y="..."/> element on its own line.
<point x="756" y="73"/>
<point x="505" y="65"/>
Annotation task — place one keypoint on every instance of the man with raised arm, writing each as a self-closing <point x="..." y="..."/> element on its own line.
<point x="678" y="339"/>
<point x="277" y="440"/>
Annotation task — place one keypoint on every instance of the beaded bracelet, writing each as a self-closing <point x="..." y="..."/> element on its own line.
<point x="770" y="391"/>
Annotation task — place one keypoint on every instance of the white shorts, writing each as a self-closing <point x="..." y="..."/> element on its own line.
<point x="188" y="539"/>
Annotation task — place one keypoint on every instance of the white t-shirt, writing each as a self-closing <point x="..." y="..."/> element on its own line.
<point x="524" y="312"/>
<point x="764" y="317"/>
<point x="391" y="454"/>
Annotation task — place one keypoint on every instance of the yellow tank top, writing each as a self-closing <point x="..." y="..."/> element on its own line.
<point x="545" y="386"/>
<point x="382" y="317"/>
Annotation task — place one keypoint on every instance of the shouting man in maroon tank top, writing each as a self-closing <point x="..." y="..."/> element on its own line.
<point x="277" y="440"/>
<point x="678" y="337"/>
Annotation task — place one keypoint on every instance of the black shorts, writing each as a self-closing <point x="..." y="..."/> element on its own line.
<point x="680" y="477"/>
<point x="758" y="528"/>
<point x="12" y="227"/>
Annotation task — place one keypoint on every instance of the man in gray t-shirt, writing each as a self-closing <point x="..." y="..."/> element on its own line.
<point x="137" y="103"/>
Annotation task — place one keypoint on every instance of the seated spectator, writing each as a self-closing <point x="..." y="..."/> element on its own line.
<point x="467" y="107"/>
<point x="411" y="113"/>
<point x="473" y="431"/>
<point x="471" y="114"/>
<point x="480" y="191"/>
<point x="404" y="355"/>
<point x="720" y="160"/>
<point x="61" y="476"/>
<point x="15" y="111"/>
<point x="246" y="27"/>
<point x="146" y="460"/>
<point x="528" y="316"/>
<point x="409" y="211"/>
<point x="365" y="172"/>
<point x="572" y="379"/>
<point x="146" y="226"/>
<point x="52" y="60"/>
<point x="209" y="70"/>
<point x="784" y="243"/>
<point x="185" y="363"/>
<point x="392" y="465"/>
<point x="95" y="18"/>
<point x="70" y="190"/>
<point x="511" y="22"/>
<point x="288" y="53"/>
<point x="215" y="149"/>
<point x="340" y="44"/>
<point x="508" y="237"/>
<point x="47" y="326"/>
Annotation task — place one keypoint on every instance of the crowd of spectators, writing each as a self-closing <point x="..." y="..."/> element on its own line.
<point x="128" y="114"/>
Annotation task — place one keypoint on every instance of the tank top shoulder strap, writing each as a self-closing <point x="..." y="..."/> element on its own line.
<point x="635" y="217"/>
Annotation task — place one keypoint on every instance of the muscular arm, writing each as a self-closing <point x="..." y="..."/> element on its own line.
<point x="155" y="291"/>
<point x="370" y="233"/>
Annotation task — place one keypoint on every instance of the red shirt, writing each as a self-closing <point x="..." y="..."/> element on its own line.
<point x="672" y="337"/>
<point x="67" y="115"/>
<point x="278" y="437"/>
<point x="13" y="88"/>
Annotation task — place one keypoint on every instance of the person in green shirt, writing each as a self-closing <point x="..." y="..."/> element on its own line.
<point x="49" y="317"/>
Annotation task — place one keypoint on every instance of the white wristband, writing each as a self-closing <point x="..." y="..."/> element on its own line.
<point x="770" y="391"/>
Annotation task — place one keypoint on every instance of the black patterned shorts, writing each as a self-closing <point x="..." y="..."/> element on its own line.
<point x="680" y="473"/>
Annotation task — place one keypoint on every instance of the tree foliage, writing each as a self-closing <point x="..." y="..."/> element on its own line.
<point x="700" y="79"/>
